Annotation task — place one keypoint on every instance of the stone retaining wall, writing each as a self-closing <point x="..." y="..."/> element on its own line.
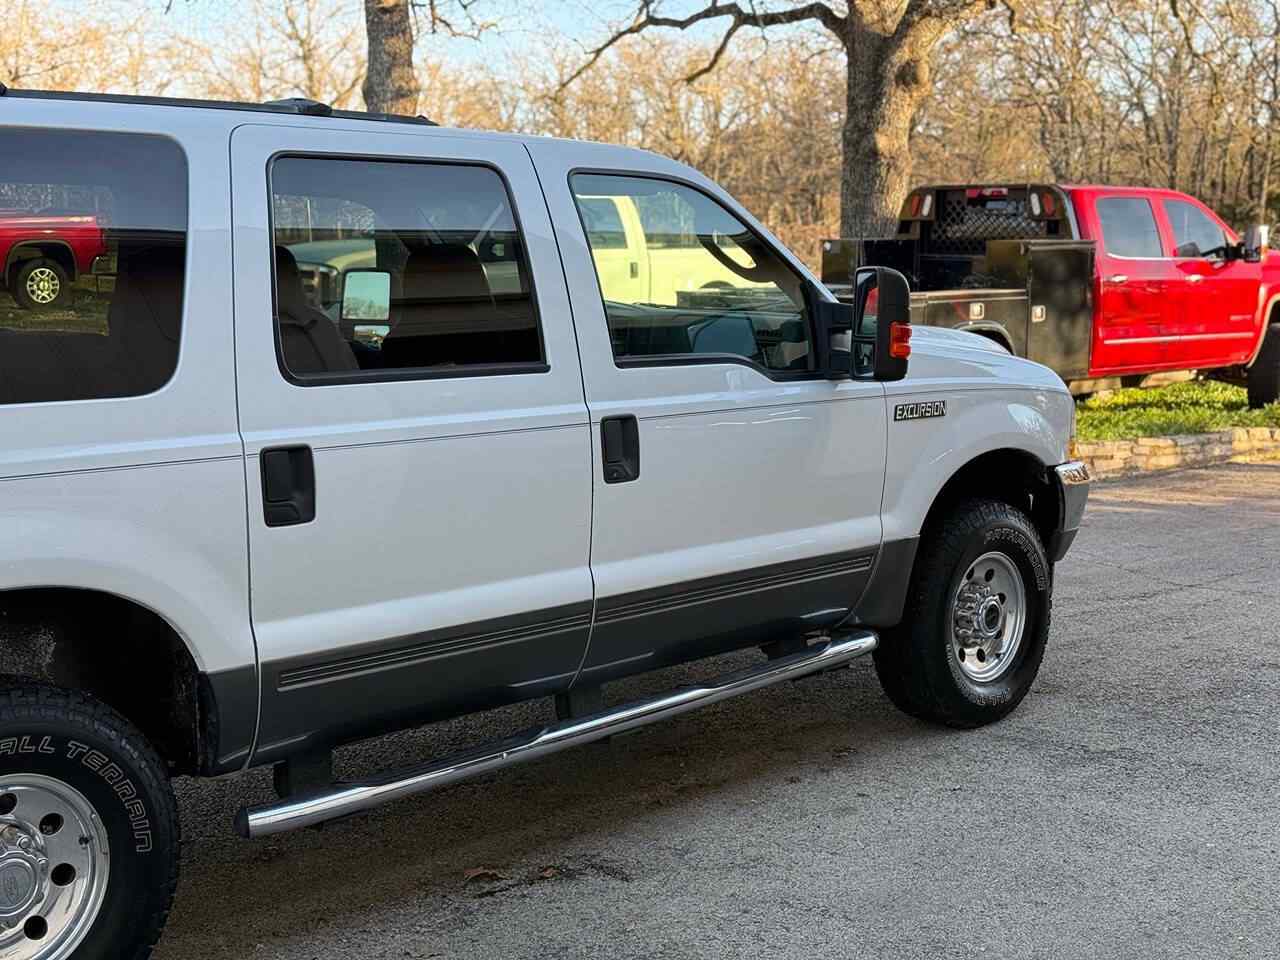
<point x="1116" y="458"/>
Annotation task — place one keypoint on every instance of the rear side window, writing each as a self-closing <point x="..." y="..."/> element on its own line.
<point x="1194" y="232"/>
<point x="93" y="247"/>
<point x="398" y="270"/>
<point x="1129" y="227"/>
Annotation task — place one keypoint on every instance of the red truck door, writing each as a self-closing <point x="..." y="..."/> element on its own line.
<point x="1136" y="279"/>
<point x="1217" y="299"/>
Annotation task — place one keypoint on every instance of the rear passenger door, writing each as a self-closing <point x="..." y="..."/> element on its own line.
<point x="417" y="440"/>
<point x="737" y="491"/>
<point x="1139" y="287"/>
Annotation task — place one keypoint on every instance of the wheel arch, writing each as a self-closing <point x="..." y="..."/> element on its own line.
<point x="57" y="250"/>
<point x="1270" y="314"/>
<point x="1012" y="475"/>
<point x="991" y="331"/>
<point x="1009" y="474"/>
<point x="122" y="652"/>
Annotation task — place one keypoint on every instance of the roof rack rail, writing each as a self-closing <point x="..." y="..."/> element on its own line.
<point x="297" y="106"/>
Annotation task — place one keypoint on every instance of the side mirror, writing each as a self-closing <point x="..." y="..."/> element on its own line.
<point x="366" y="296"/>
<point x="1256" y="241"/>
<point x="882" y="323"/>
<point x="834" y="322"/>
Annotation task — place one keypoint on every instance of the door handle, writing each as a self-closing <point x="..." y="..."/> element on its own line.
<point x="635" y="270"/>
<point x="1118" y="278"/>
<point x="620" y="448"/>
<point x="288" y="486"/>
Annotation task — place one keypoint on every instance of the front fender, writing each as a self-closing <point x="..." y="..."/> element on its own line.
<point x="925" y="453"/>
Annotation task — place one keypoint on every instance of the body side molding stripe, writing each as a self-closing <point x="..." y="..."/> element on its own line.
<point x="418" y="648"/>
<point x="674" y="596"/>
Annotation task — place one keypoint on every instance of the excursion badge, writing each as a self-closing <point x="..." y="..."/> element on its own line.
<point x="920" y="411"/>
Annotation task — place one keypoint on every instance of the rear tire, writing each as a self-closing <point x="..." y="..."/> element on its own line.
<point x="982" y="586"/>
<point x="41" y="285"/>
<point x="82" y="791"/>
<point x="1264" y="375"/>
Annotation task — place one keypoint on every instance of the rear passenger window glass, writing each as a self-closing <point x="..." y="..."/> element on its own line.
<point x="393" y="269"/>
<point x="1194" y="232"/>
<point x="683" y="279"/>
<point x="1129" y="227"/>
<point x="93" y="247"/>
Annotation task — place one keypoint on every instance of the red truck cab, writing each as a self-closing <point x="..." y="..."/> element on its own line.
<point x="43" y="252"/>
<point x="1170" y="291"/>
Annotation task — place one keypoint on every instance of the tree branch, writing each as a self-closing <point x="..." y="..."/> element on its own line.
<point x="648" y="18"/>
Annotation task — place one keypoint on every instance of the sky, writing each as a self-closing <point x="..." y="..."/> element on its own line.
<point x="521" y="25"/>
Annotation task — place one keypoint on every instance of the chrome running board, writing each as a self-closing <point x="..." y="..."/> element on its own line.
<point x="345" y="799"/>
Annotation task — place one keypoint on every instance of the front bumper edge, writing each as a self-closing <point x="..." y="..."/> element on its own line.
<point x="1072" y="481"/>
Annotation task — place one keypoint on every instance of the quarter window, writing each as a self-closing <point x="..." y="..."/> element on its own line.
<point x="1194" y="232"/>
<point x="1129" y="227"/>
<point x="93" y="230"/>
<point x="682" y="277"/>
<point x="388" y="269"/>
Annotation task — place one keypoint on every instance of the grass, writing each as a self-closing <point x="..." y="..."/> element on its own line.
<point x="1191" y="407"/>
<point x="85" y="313"/>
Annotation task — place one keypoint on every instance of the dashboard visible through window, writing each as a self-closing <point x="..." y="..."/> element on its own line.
<point x="682" y="277"/>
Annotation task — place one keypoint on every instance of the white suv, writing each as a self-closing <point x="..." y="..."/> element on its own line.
<point x="360" y="423"/>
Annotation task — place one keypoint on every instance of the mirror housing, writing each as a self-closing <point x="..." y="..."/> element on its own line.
<point x="366" y="296"/>
<point x="1256" y="241"/>
<point x="882" y="324"/>
<point x="834" y="323"/>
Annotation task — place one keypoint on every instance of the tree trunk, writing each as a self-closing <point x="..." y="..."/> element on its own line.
<point x="390" y="86"/>
<point x="888" y="80"/>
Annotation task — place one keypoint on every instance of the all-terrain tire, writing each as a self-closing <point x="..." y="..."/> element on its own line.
<point x="918" y="665"/>
<point x="65" y="739"/>
<point x="1264" y="375"/>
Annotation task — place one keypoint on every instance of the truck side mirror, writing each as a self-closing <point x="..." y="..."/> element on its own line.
<point x="834" y="323"/>
<point x="882" y="324"/>
<point x="1256" y="241"/>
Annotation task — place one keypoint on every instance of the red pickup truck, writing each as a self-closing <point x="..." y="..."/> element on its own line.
<point x="44" y="252"/>
<point x="1096" y="282"/>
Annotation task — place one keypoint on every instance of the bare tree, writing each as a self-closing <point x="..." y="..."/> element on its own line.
<point x="291" y="48"/>
<point x="887" y="46"/>
<point x="391" y="85"/>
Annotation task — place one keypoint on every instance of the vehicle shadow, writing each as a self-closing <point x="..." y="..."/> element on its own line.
<point x="551" y="821"/>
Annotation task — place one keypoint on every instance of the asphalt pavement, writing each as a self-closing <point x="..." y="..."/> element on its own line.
<point x="1129" y="808"/>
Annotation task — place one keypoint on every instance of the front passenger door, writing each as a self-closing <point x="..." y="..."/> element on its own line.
<point x="737" y="491"/>
<point x="1217" y="299"/>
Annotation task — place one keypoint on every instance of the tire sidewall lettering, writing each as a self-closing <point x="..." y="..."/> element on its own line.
<point x="101" y="767"/>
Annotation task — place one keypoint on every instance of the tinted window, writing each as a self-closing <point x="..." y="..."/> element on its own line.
<point x="93" y="239"/>
<point x="1194" y="233"/>
<point x="385" y="268"/>
<point x="1129" y="227"/>
<point x="696" y="281"/>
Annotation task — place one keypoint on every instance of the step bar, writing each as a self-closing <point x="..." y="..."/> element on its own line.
<point x="345" y="799"/>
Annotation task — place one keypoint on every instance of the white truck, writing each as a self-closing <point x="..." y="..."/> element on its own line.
<point x="239" y="529"/>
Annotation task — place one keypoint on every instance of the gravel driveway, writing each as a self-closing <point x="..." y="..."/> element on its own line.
<point x="1128" y="809"/>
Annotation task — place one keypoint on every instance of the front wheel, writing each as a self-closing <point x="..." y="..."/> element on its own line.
<point x="88" y="830"/>
<point x="977" y="618"/>
<point x="1264" y="375"/>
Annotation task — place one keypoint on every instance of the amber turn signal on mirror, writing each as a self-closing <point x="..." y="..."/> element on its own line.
<point x="900" y="340"/>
